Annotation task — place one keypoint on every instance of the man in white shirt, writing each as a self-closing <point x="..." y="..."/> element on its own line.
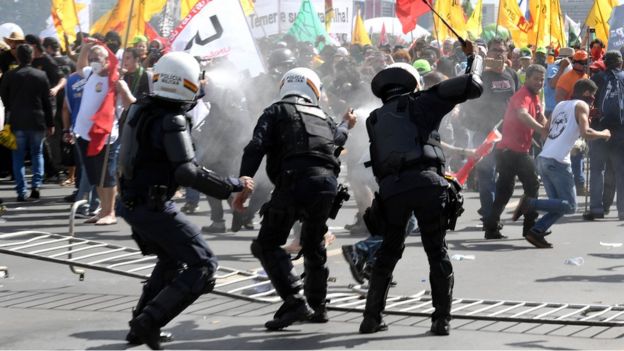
<point x="93" y="64"/>
<point x="569" y="121"/>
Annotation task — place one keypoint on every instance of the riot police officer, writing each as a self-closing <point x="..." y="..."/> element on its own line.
<point x="156" y="157"/>
<point x="408" y="164"/>
<point x="300" y="142"/>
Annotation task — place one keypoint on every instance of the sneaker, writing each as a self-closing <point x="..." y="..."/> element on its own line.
<point x="356" y="265"/>
<point x="537" y="240"/>
<point x="21" y="198"/>
<point x="292" y="310"/>
<point x="214" y="228"/>
<point x="34" y="194"/>
<point x="494" y="234"/>
<point x="590" y="216"/>
<point x="521" y="209"/>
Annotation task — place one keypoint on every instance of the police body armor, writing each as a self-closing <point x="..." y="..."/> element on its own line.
<point x="305" y="136"/>
<point x="141" y="165"/>
<point x="397" y="142"/>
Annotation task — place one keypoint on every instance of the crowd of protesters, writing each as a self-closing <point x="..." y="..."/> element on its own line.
<point x="50" y="97"/>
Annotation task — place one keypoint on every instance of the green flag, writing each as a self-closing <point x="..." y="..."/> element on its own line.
<point x="308" y="26"/>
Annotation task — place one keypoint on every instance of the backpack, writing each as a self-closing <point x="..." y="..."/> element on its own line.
<point x="612" y="102"/>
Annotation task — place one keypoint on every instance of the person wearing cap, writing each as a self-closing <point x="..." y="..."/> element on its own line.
<point x="540" y="56"/>
<point x="553" y="72"/>
<point x="8" y="59"/>
<point x="422" y="66"/>
<point x="565" y="84"/>
<point x="139" y="42"/>
<point x="602" y="152"/>
<point x="525" y="61"/>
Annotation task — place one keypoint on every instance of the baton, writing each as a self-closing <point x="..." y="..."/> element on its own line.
<point x="461" y="40"/>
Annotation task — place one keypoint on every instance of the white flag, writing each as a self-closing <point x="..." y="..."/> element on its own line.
<point x="217" y="28"/>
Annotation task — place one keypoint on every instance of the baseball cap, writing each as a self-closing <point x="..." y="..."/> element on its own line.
<point x="422" y="66"/>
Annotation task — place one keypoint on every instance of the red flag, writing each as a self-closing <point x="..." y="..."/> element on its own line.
<point x="383" y="40"/>
<point x="152" y="34"/>
<point x="482" y="151"/>
<point x="408" y="11"/>
<point x="105" y="115"/>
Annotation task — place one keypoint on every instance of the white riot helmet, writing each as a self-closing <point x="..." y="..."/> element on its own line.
<point x="398" y="78"/>
<point x="176" y="77"/>
<point x="302" y="82"/>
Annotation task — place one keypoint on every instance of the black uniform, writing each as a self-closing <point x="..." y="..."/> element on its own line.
<point x="156" y="157"/>
<point x="299" y="140"/>
<point x="408" y="162"/>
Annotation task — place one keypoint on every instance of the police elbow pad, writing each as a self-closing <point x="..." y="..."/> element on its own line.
<point x="203" y="180"/>
<point x="464" y="87"/>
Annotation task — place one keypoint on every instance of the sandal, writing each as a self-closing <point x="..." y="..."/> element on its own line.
<point x="107" y="220"/>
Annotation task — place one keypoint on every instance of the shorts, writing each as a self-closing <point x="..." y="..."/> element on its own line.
<point x="93" y="164"/>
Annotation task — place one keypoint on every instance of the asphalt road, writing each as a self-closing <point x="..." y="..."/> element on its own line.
<point x="44" y="306"/>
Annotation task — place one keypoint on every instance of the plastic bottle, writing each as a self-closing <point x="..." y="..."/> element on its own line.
<point x="574" y="261"/>
<point x="458" y="257"/>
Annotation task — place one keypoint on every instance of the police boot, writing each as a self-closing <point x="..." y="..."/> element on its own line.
<point x="294" y="309"/>
<point x="145" y="329"/>
<point x="133" y="339"/>
<point x="442" y="281"/>
<point x="315" y="289"/>
<point x="147" y="295"/>
<point x="375" y="304"/>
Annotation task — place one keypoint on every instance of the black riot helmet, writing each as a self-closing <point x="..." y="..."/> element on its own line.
<point x="282" y="60"/>
<point x="398" y="78"/>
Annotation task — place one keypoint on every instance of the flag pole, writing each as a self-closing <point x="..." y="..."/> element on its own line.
<point x="76" y="14"/>
<point x="107" y="147"/>
<point x="498" y="18"/>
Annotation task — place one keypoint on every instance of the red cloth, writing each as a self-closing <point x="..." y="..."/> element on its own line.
<point x="408" y="11"/>
<point x="104" y="118"/>
<point x="152" y="34"/>
<point x="483" y="150"/>
<point x="383" y="39"/>
<point x="516" y="135"/>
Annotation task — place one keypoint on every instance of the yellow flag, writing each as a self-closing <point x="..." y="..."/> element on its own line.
<point x="117" y="18"/>
<point x="359" y="32"/>
<point x="540" y="14"/>
<point x="65" y="17"/>
<point x="474" y="25"/>
<point x="557" y="37"/>
<point x="453" y="14"/>
<point x="510" y="17"/>
<point x="598" y="18"/>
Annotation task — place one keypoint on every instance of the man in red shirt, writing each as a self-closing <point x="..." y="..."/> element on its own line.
<point x="523" y="116"/>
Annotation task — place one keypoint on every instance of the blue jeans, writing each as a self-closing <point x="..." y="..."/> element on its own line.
<point x="559" y="185"/>
<point x="578" y="161"/>
<point x="191" y="196"/>
<point x="88" y="190"/>
<point x="28" y="140"/>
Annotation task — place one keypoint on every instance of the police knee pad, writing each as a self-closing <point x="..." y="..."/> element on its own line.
<point x="442" y="267"/>
<point x="203" y="280"/>
<point x="256" y="250"/>
<point x="374" y="217"/>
